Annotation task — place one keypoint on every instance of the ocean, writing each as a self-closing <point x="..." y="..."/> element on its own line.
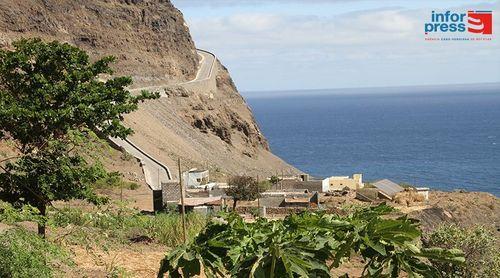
<point x="443" y="139"/>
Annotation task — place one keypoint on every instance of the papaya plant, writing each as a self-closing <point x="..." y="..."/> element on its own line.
<point x="307" y="245"/>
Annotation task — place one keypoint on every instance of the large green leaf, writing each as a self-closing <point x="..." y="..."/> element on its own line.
<point x="301" y="245"/>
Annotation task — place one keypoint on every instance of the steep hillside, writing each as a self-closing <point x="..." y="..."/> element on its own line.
<point x="148" y="37"/>
<point x="206" y="127"/>
<point x="207" y="124"/>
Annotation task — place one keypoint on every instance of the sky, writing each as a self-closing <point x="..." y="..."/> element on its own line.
<point x="316" y="44"/>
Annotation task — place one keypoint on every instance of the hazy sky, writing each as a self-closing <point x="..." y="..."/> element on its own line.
<point x="293" y="44"/>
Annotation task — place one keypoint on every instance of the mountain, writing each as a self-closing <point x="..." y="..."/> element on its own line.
<point x="205" y="123"/>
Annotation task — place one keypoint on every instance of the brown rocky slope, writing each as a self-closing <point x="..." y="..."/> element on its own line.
<point x="208" y="126"/>
<point x="148" y="37"/>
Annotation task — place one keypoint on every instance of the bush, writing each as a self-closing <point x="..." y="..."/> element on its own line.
<point x="24" y="254"/>
<point x="10" y="215"/>
<point x="480" y="246"/>
<point x="265" y="185"/>
<point x="115" y="180"/>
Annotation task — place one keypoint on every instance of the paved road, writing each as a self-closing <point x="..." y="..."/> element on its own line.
<point x="206" y="67"/>
<point x="156" y="172"/>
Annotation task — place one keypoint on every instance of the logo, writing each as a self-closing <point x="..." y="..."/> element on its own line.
<point x="472" y="22"/>
<point x="480" y="22"/>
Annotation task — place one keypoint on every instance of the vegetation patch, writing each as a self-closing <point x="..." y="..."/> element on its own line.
<point x="115" y="180"/>
<point x="24" y="254"/>
<point x="480" y="246"/>
<point x="308" y="245"/>
<point x="124" y="225"/>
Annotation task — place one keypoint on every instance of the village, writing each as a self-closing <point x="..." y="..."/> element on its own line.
<point x="283" y="195"/>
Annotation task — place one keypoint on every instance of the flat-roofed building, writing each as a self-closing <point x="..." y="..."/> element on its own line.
<point x="341" y="182"/>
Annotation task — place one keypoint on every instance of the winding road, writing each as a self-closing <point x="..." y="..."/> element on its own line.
<point x="156" y="172"/>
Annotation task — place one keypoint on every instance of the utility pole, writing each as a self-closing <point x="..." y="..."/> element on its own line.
<point x="183" y="212"/>
<point x="276" y="185"/>
<point x="258" y="192"/>
<point x="282" y="179"/>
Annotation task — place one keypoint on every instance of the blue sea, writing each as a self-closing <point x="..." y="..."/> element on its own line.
<point x="442" y="138"/>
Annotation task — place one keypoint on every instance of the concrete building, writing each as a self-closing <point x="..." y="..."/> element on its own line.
<point x="195" y="178"/>
<point x="341" y="182"/>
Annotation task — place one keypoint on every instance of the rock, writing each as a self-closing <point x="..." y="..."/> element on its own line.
<point x="198" y="107"/>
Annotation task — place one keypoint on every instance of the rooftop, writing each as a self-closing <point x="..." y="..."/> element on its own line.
<point x="194" y="202"/>
<point x="297" y="200"/>
<point x="388" y="187"/>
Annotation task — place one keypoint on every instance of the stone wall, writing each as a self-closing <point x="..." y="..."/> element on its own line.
<point x="171" y="192"/>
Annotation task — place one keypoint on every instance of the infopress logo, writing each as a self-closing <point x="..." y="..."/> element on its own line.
<point x="472" y="22"/>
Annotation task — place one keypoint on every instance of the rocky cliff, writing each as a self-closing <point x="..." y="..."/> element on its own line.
<point x="148" y="37"/>
<point x="207" y="124"/>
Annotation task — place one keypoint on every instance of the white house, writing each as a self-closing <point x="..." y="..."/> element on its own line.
<point x="195" y="178"/>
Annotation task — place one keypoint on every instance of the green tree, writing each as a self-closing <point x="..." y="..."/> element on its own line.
<point x="52" y="101"/>
<point x="243" y="188"/>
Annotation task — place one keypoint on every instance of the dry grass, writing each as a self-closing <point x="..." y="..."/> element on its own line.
<point x="138" y="260"/>
<point x="409" y="198"/>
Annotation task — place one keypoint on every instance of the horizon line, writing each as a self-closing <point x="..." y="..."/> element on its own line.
<point x="376" y="87"/>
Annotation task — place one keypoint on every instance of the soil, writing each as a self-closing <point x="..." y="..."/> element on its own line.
<point x="463" y="208"/>
<point x="137" y="260"/>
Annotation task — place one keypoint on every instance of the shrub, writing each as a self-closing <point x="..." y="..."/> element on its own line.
<point x="24" y="254"/>
<point x="265" y="185"/>
<point x="480" y="246"/>
<point x="274" y="180"/>
<point x="11" y="215"/>
<point x="115" y="180"/>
